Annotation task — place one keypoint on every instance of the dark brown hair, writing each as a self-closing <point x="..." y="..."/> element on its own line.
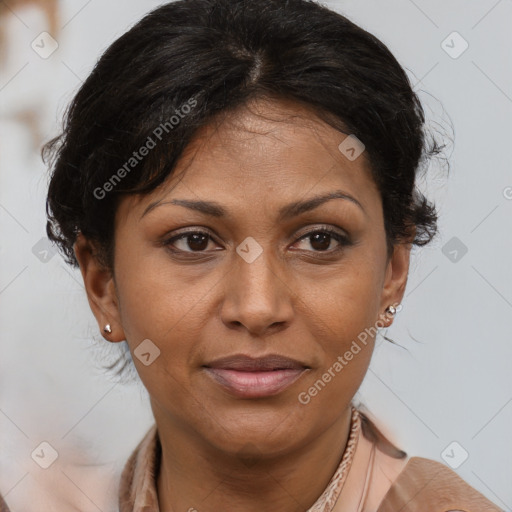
<point x="191" y="60"/>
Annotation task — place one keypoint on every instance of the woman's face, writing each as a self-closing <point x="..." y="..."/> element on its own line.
<point x="262" y="278"/>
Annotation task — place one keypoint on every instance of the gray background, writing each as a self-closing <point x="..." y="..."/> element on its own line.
<point x="450" y="383"/>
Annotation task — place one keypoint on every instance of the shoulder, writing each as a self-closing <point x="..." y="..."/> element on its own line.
<point x="425" y="485"/>
<point x="3" y="505"/>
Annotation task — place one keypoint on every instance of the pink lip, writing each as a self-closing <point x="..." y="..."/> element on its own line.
<point x="248" y="377"/>
<point x="248" y="384"/>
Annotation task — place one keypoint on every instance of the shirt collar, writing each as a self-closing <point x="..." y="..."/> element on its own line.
<point x="138" y="491"/>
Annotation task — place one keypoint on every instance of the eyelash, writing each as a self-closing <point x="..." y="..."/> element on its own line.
<point x="343" y="240"/>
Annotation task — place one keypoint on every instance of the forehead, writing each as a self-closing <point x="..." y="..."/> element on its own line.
<point x="267" y="152"/>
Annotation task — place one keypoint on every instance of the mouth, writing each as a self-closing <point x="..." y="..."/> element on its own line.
<point x="247" y="377"/>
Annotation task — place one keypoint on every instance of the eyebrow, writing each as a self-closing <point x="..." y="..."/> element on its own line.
<point x="294" y="209"/>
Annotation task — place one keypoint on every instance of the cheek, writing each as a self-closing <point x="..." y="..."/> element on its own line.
<point x="341" y="314"/>
<point x="159" y="304"/>
<point x="155" y="297"/>
<point x="341" y="322"/>
<point x="340" y="308"/>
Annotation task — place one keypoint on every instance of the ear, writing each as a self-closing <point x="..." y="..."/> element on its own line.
<point x="100" y="287"/>
<point x="395" y="280"/>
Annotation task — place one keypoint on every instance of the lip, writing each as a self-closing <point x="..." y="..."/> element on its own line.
<point x="247" y="377"/>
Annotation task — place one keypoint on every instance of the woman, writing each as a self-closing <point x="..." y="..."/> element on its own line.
<point x="236" y="181"/>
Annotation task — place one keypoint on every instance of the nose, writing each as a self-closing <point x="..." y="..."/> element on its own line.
<point x="257" y="297"/>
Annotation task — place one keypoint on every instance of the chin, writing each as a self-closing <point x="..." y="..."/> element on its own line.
<point x="255" y="432"/>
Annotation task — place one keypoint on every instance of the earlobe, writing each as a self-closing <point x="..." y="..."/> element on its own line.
<point x="100" y="289"/>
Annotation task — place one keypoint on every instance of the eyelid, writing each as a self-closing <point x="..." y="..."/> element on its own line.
<point x="341" y="236"/>
<point x="174" y="236"/>
<point x="327" y="228"/>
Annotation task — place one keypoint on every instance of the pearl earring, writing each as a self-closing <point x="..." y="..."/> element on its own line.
<point x="107" y="328"/>
<point x="391" y="310"/>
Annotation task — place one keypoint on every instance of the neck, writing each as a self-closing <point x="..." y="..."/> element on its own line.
<point x="194" y="475"/>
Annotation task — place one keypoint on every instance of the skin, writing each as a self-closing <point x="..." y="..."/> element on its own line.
<point x="300" y="298"/>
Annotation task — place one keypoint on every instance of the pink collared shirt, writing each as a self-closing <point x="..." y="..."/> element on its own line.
<point x="375" y="482"/>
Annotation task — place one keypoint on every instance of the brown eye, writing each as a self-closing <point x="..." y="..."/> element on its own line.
<point x="191" y="241"/>
<point x="320" y="240"/>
